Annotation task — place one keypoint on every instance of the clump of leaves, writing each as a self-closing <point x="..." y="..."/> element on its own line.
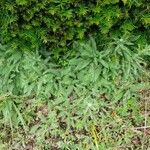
<point x="85" y="104"/>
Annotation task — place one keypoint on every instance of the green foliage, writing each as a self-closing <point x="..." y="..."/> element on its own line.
<point x="90" y="100"/>
<point x="28" y="24"/>
<point x="26" y="73"/>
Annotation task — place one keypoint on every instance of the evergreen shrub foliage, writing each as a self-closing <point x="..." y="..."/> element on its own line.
<point x="56" y="23"/>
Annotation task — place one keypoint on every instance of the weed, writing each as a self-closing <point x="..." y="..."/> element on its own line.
<point x="91" y="102"/>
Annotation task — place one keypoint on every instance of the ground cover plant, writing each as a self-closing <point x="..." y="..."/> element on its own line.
<point x="74" y="75"/>
<point x="93" y="98"/>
